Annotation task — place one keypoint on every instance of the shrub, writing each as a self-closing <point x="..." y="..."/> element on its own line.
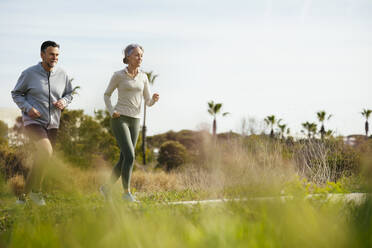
<point x="3" y="133"/>
<point x="82" y="138"/>
<point x="325" y="161"/>
<point x="16" y="184"/>
<point x="172" y="154"/>
<point x="13" y="161"/>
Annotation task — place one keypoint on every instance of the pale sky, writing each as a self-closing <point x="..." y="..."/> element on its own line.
<point x="290" y="58"/>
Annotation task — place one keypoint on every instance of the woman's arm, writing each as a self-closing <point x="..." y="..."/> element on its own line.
<point x="147" y="95"/>
<point x="107" y="96"/>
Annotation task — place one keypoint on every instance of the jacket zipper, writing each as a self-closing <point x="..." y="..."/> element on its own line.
<point x="49" y="99"/>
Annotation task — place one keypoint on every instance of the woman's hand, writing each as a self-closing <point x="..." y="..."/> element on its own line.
<point x="115" y="115"/>
<point x="155" y="97"/>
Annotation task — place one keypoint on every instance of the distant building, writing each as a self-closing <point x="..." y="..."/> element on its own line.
<point x="9" y="115"/>
<point x="354" y="139"/>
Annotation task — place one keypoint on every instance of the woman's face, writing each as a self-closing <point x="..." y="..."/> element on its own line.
<point x="135" y="59"/>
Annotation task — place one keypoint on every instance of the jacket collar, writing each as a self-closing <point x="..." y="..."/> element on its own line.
<point x="43" y="70"/>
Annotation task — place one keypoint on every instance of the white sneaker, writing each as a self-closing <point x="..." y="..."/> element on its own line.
<point x="129" y="197"/>
<point x="105" y="192"/>
<point x="21" y="200"/>
<point x="37" y="198"/>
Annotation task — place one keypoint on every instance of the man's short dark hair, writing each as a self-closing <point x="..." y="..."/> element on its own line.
<point x="47" y="44"/>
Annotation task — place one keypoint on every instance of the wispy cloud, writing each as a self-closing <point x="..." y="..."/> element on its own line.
<point x="268" y="10"/>
<point x="305" y="10"/>
<point x="272" y="56"/>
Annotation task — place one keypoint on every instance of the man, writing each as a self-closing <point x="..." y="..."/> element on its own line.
<point x="42" y="91"/>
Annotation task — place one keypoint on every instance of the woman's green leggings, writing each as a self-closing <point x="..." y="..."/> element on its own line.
<point x="126" y="131"/>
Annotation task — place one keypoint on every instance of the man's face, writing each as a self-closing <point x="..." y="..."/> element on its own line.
<point x="50" y="56"/>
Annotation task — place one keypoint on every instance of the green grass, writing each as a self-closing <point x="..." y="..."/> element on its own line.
<point x="77" y="216"/>
<point x="85" y="220"/>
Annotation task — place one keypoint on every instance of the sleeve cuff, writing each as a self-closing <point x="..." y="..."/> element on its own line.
<point x="64" y="102"/>
<point x="27" y="108"/>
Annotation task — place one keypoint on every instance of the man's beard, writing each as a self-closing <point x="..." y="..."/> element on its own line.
<point x="51" y="65"/>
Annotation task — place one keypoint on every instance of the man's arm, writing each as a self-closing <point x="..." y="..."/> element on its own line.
<point x="19" y="93"/>
<point x="66" y="96"/>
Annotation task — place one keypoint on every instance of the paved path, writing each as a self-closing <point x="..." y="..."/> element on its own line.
<point x="357" y="198"/>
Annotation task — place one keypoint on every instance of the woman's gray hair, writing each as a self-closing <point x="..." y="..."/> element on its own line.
<point x="129" y="50"/>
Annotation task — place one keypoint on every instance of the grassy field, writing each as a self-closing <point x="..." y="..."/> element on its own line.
<point x="86" y="221"/>
<point x="77" y="216"/>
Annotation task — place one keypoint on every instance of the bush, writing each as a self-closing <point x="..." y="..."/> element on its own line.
<point x="3" y="133"/>
<point x="172" y="154"/>
<point x="83" y="138"/>
<point x="326" y="161"/>
<point x="13" y="161"/>
<point x="193" y="141"/>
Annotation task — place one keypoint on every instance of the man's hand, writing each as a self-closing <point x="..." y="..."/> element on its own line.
<point x="59" y="104"/>
<point x="34" y="113"/>
<point x="155" y="97"/>
<point x="115" y="115"/>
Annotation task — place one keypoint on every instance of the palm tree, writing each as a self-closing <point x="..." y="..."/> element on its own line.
<point x="366" y="113"/>
<point x="282" y="128"/>
<point x="322" y="116"/>
<point x="313" y="128"/>
<point x="328" y="133"/>
<point x="310" y="128"/>
<point x="214" y="109"/>
<point x="151" y="77"/>
<point x="74" y="90"/>
<point x="271" y="121"/>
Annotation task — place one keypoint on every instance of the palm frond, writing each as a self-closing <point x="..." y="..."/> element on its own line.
<point x="217" y="107"/>
<point x="211" y="104"/>
<point x="151" y="77"/>
<point x="74" y="90"/>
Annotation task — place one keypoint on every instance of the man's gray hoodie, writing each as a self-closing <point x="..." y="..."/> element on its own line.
<point x="39" y="89"/>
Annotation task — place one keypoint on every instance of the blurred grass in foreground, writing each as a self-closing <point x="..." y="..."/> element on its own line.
<point x="77" y="216"/>
<point x="88" y="222"/>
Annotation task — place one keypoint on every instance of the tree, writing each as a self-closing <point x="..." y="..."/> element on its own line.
<point x="322" y="116"/>
<point x="151" y="77"/>
<point x="282" y="128"/>
<point x="82" y="138"/>
<point x="75" y="89"/>
<point x="310" y="128"/>
<point x="3" y="133"/>
<point x="328" y="134"/>
<point x="271" y="121"/>
<point x="172" y="154"/>
<point x="104" y="118"/>
<point x="366" y="113"/>
<point x="214" y="109"/>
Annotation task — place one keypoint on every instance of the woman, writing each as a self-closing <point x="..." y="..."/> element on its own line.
<point x="133" y="86"/>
